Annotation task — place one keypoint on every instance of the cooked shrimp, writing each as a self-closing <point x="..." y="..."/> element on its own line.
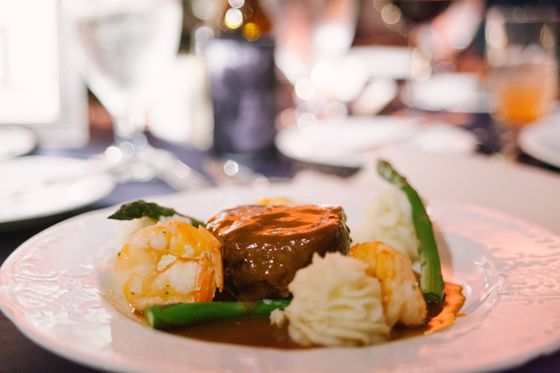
<point x="169" y="262"/>
<point x="403" y="301"/>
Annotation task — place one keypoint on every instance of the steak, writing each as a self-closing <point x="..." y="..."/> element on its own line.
<point x="264" y="246"/>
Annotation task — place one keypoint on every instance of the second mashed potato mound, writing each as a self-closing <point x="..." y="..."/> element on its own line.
<point x="388" y="219"/>
<point x="335" y="304"/>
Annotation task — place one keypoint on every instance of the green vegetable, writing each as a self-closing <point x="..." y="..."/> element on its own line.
<point x="185" y="314"/>
<point x="139" y="209"/>
<point x="431" y="280"/>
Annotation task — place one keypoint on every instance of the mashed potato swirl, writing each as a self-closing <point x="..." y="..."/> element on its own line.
<point x="335" y="304"/>
<point x="388" y="219"/>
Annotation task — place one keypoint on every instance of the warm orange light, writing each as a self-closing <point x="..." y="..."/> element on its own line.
<point x="251" y="31"/>
<point x="524" y="94"/>
<point x="521" y="104"/>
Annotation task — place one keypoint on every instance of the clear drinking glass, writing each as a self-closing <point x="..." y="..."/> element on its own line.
<point x="311" y="38"/>
<point x="523" y="72"/>
<point x="128" y="45"/>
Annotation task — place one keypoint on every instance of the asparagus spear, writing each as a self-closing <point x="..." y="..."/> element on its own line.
<point x="431" y="279"/>
<point x="140" y="208"/>
<point x="185" y="314"/>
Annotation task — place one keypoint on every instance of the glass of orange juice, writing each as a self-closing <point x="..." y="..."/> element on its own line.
<point x="523" y="72"/>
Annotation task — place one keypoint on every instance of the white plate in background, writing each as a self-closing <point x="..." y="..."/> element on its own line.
<point x="375" y="96"/>
<point x="352" y="141"/>
<point x="542" y="140"/>
<point x="39" y="186"/>
<point x="16" y="141"/>
<point x="383" y="61"/>
<point x="51" y="288"/>
<point x="454" y="92"/>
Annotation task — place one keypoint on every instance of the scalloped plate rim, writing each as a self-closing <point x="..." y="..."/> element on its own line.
<point x="73" y="353"/>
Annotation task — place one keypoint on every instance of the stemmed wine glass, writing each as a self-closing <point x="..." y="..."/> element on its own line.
<point x="415" y="14"/>
<point x="127" y="46"/>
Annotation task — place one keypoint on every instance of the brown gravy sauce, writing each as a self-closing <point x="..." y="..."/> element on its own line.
<point x="258" y="332"/>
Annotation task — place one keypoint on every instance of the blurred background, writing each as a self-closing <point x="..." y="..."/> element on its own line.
<point x="253" y="77"/>
<point x="192" y="93"/>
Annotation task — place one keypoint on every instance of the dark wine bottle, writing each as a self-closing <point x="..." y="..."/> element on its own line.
<point x="240" y="62"/>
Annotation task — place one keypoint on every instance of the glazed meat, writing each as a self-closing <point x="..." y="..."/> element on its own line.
<point x="264" y="246"/>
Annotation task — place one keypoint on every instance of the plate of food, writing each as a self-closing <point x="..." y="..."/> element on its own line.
<point x="300" y="276"/>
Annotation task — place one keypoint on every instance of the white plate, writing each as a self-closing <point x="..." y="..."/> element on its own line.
<point x="352" y="141"/>
<point x="542" y="140"/>
<point x="16" y="141"/>
<point x="383" y="62"/>
<point x="448" y="92"/>
<point x="38" y="186"/>
<point x="510" y="269"/>
<point x="376" y="94"/>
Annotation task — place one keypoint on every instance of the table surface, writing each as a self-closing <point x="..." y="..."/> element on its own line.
<point x="19" y="354"/>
